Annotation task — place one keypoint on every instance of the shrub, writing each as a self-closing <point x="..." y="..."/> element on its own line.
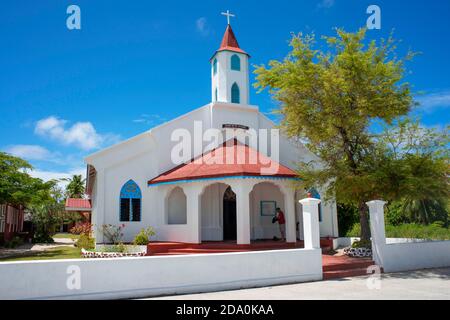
<point x="143" y="236"/>
<point x="347" y="216"/>
<point x="362" y="244"/>
<point x="120" y="247"/>
<point x="42" y="236"/>
<point x="355" y="231"/>
<point x="85" y="242"/>
<point x="434" y="231"/>
<point x="395" y="215"/>
<point x="81" y="228"/>
<point x="14" y="242"/>
<point x="113" y="234"/>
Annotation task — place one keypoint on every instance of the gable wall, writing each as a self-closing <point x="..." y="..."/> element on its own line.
<point x="148" y="155"/>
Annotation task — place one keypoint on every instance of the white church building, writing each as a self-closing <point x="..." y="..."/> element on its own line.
<point x="217" y="191"/>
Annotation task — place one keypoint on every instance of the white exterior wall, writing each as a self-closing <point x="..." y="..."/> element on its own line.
<point x="149" y="154"/>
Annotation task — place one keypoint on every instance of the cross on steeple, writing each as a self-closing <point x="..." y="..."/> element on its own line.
<point x="228" y="14"/>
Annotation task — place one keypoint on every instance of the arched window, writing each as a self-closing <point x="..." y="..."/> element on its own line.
<point x="130" y="202"/>
<point x="316" y="195"/>
<point x="235" y="95"/>
<point x="215" y="66"/>
<point x="235" y="62"/>
<point x="176" y="207"/>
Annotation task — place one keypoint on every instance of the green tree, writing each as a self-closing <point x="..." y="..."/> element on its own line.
<point x="415" y="160"/>
<point x="17" y="187"/>
<point x="46" y="216"/>
<point x="329" y="96"/>
<point x="75" y="187"/>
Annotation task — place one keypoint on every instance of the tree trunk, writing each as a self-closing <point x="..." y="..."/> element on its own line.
<point x="364" y="222"/>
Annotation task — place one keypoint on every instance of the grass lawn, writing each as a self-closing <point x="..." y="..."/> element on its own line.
<point x="51" y="254"/>
<point x="66" y="236"/>
<point x="410" y="230"/>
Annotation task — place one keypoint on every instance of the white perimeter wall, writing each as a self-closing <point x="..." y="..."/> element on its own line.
<point x="415" y="255"/>
<point x="148" y="276"/>
<point x="395" y="257"/>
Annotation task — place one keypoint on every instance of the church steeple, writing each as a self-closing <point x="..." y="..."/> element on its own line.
<point x="229" y="41"/>
<point x="229" y="70"/>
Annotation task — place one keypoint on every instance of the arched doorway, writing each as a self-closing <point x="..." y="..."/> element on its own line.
<point x="229" y="215"/>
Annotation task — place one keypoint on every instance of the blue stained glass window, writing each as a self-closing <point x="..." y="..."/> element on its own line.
<point x="130" y="202"/>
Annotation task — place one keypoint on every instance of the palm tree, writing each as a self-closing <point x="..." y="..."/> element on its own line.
<point x="426" y="211"/>
<point x="75" y="187"/>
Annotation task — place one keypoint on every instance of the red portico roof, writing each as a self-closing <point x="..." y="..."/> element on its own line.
<point x="232" y="159"/>
<point x="229" y="42"/>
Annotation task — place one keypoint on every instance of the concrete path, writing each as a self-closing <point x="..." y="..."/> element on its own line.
<point x="423" y="284"/>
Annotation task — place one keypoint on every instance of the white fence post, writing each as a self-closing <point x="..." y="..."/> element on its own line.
<point x="311" y="229"/>
<point x="377" y="229"/>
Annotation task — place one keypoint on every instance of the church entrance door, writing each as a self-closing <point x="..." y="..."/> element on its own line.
<point x="229" y="215"/>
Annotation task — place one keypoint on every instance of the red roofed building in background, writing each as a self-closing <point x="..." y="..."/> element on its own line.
<point x="81" y="210"/>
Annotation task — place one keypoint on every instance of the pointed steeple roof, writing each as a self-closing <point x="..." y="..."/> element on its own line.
<point x="229" y="42"/>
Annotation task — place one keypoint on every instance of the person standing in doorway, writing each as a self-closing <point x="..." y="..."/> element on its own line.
<point x="282" y="223"/>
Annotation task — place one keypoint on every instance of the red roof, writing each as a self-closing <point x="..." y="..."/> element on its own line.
<point x="81" y="204"/>
<point x="230" y="159"/>
<point x="229" y="42"/>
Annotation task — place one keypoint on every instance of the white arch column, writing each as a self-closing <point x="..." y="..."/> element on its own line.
<point x="242" y="190"/>
<point x="193" y="208"/>
<point x="289" y="208"/>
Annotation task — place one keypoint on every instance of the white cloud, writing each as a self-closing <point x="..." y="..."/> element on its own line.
<point x="57" y="175"/>
<point x="81" y="134"/>
<point x="29" y="152"/>
<point x="433" y="101"/>
<point x="202" y="26"/>
<point x="326" y="3"/>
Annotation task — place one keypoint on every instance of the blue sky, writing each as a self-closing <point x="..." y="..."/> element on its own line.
<point x="134" y="64"/>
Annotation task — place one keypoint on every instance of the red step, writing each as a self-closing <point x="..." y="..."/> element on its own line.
<point x="159" y="247"/>
<point x="168" y="254"/>
<point x="196" y="251"/>
<point x="348" y="265"/>
<point x="336" y="274"/>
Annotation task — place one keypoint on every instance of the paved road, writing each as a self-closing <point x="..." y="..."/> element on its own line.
<point x="424" y="284"/>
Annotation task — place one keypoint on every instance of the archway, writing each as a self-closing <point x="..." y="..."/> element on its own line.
<point x="265" y="197"/>
<point x="176" y="213"/>
<point x="229" y="215"/>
